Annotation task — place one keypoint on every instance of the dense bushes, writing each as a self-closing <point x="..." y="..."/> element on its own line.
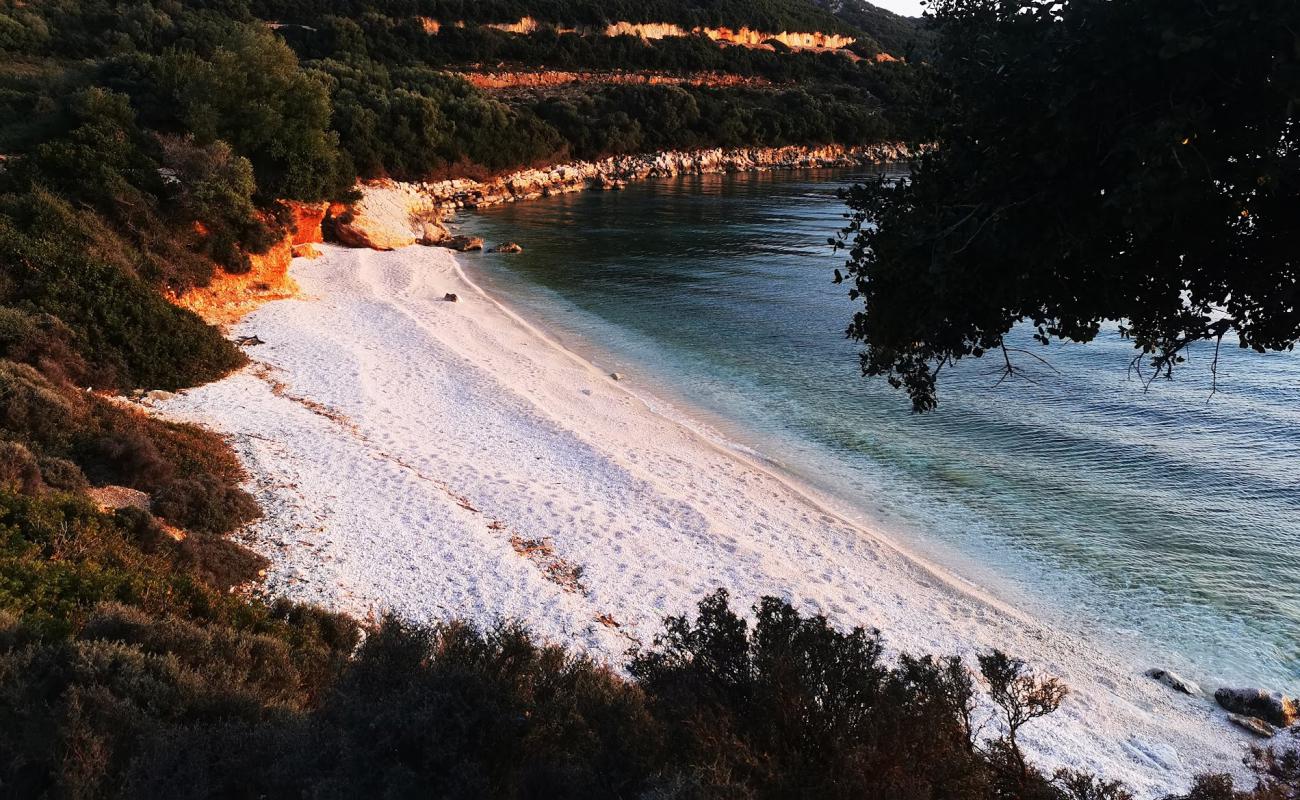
<point x="141" y="706"/>
<point x="71" y="436"/>
<point x="75" y="714"/>
<point x="789" y="708"/>
<point x="74" y="284"/>
<point x="413" y="122"/>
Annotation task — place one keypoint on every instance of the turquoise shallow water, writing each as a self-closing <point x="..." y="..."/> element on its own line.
<point x="1164" y="521"/>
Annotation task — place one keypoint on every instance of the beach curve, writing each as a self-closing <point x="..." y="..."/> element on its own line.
<point x="438" y="459"/>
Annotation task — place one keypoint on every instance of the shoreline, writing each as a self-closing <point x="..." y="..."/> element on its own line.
<point x="390" y="215"/>
<point x="450" y="459"/>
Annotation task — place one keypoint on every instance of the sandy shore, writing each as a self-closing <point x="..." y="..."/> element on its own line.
<point x="445" y="459"/>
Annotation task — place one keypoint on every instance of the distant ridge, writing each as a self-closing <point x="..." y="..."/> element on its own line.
<point x="895" y="33"/>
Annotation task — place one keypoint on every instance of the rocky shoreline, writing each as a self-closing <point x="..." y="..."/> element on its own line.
<point x="393" y="214"/>
<point x="613" y="172"/>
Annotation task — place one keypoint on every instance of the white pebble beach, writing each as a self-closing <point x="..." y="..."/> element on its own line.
<point x="436" y="459"/>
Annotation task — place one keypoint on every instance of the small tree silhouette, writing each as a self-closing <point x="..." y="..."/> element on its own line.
<point x="1021" y="696"/>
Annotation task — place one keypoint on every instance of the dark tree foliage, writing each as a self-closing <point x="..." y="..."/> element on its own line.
<point x="200" y="704"/>
<point x="795" y="708"/>
<point x="1131" y="160"/>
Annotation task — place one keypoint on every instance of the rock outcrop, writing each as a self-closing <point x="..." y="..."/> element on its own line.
<point x="650" y="31"/>
<point x="388" y="216"/>
<point x="433" y="232"/>
<point x="1272" y="707"/>
<point x="305" y="222"/>
<point x="507" y="80"/>
<point x="112" y="498"/>
<point x="228" y="297"/>
<point x="617" y="171"/>
<point x="464" y="244"/>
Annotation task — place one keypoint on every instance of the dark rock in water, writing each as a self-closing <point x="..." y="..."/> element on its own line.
<point x="1173" y="681"/>
<point x="1256" y="726"/>
<point x="450" y="297"/>
<point x="249" y="341"/>
<point x="610" y="184"/>
<point x="1272" y="707"/>
<point x="507" y="247"/>
<point x="463" y="244"/>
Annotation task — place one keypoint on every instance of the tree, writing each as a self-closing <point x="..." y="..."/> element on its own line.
<point x="1131" y="160"/>
<point x="1021" y="697"/>
<point x="244" y="86"/>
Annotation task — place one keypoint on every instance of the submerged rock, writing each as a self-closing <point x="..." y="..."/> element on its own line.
<point x="507" y="247"/>
<point x="1173" y="681"/>
<point x="1272" y="707"/>
<point x="1253" y="725"/>
<point x="610" y="184"/>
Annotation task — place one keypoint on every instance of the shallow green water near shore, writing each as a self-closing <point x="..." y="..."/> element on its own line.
<point x="1164" y="521"/>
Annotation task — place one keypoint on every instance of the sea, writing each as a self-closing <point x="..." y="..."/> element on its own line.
<point x="1162" y="518"/>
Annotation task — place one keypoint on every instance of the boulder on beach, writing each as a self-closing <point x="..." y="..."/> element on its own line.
<point x="388" y="216"/>
<point x="1173" y="681"/>
<point x="463" y="244"/>
<point x="1272" y="707"/>
<point x="433" y="232"/>
<point x="451" y="297"/>
<point x="507" y="247"/>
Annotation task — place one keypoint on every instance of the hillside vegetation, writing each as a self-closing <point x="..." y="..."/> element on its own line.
<point x="148" y="147"/>
<point x="772" y="16"/>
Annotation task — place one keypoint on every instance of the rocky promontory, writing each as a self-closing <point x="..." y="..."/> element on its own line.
<point x="393" y="214"/>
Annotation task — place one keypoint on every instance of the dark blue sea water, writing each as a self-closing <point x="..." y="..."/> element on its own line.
<point x="1163" y="520"/>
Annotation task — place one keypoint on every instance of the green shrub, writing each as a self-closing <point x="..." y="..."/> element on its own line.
<point x="63" y="262"/>
<point x="191" y="474"/>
